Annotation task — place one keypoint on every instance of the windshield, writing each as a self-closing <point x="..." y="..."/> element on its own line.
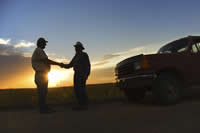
<point x="174" y="47"/>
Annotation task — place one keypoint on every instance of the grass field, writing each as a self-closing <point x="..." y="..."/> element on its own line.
<point x="63" y="95"/>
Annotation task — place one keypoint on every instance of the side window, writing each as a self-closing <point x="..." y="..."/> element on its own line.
<point x="181" y="46"/>
<point x="181" y="50"/>
<point x="198" y="45"/>
<point x="194" y="49"/>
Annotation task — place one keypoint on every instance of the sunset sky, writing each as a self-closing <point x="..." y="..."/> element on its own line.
<point x="110" y="30"/>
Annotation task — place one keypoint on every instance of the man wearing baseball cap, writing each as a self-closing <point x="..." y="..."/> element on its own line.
<point x="81" y="66"/>
<point x="41" y="65"/>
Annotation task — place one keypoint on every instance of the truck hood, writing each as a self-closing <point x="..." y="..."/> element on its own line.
<point x="156" y="58"/>
<point x="130" y="60"/>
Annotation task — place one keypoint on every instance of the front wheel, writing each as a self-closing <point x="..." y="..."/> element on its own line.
<point x="167" y="89"/>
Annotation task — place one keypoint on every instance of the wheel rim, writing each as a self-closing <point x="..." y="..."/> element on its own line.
<point x="172" y="90"/>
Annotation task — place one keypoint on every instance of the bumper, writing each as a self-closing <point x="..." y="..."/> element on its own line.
<point x="138" y="81"/>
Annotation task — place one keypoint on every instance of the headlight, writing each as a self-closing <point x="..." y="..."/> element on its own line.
<point x="137" y="65"/>
<point x="116" y="71"/>
<point x="144" y="64"/>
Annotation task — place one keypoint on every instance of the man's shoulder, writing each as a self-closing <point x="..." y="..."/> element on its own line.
<point x="39" y="53"/>
<point x="84" y="53"/>
<point x="38" y="50"/>
<point x="85" y="56"/>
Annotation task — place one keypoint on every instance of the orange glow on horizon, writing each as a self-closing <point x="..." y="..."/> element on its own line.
<point x="57" y="76"/>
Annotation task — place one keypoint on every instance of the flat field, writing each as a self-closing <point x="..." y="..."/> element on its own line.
<point x="27" y="97"/>
<point x="109" y="112"/>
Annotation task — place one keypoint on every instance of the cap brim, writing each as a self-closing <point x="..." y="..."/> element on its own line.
<point x="79" y="46"/>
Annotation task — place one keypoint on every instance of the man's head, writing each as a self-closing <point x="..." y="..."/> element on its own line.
<point x="41" y="43"/>
<point x="79" y="46"/>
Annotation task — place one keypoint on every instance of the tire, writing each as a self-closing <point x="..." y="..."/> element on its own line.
<point x="134" y="95"/>
<point x="167" y="89"/>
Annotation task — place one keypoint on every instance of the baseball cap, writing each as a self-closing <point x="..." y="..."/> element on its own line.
<point x="42" y="40"/>
<point x="79" y="44"/>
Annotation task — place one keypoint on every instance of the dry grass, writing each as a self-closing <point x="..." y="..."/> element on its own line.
<point x="63" y="95"/>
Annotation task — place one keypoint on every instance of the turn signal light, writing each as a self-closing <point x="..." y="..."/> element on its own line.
<point x="144" y="63"/>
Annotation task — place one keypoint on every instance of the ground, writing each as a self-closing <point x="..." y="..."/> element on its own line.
<point x="108" y="116"/>
<point x="112" y="117"/>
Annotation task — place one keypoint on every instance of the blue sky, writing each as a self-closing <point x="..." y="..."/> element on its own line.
<point x="107" y="28"/>
<point x="104" y="26"/>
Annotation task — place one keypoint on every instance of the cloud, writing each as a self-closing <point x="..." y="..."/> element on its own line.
<point x="110" y="60"/>
<point x="8" y="50"/>
<point x="103" y="70"/>
<point x="24" y="44"/>
<point x="18" y="49"/>
<point x="4" y="42"/>
<point x="102" y="75"/>
<point x="105" y="59"/>
<point x="110" y="56"/>
<point x="15" y="69"/>
<point x="99" y="63"/>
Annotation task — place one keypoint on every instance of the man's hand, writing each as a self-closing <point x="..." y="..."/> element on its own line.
<point x="51" y="62"/>
<point x="62" y="65"/>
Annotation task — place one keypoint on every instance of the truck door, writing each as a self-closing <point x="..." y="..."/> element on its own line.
<point x="194" y="66"/>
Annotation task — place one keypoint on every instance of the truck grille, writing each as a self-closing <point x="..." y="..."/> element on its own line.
<point x="126" y="67"/>
<point x="125" y="70"/>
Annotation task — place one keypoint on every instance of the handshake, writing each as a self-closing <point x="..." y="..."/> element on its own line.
<point x="62" y="65"/>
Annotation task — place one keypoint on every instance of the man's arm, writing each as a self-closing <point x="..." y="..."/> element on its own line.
<point x="51" y="62"/>
<point x="64" y="65"/>
<point x="44" y="58"/>
<point x="72" y="62"/>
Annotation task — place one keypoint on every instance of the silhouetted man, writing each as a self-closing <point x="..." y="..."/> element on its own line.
<point x="41" y="65"/>
<point x="81" y="65"/>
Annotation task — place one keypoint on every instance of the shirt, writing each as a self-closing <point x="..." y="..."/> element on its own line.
<point x="38" y="63"/>
<point x="81" y="63"/>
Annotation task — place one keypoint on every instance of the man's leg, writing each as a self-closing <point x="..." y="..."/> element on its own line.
<point x="79" y="89"/>
<point x="42" y="88"/>
<point x="83" y="93"/>
<point x="42" y="94"/>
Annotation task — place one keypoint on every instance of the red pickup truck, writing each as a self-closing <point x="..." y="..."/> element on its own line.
<point x="167" y="73"/>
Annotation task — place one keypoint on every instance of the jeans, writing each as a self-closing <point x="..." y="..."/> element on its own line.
<point x="79" y="88"/>
<point x="41" y="81"/>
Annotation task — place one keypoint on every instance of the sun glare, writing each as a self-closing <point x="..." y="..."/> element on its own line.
<point x="55" y="77"/>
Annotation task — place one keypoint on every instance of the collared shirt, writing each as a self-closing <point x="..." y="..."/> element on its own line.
<point x="81" y="63"/>
<point x="38" y="63"/>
